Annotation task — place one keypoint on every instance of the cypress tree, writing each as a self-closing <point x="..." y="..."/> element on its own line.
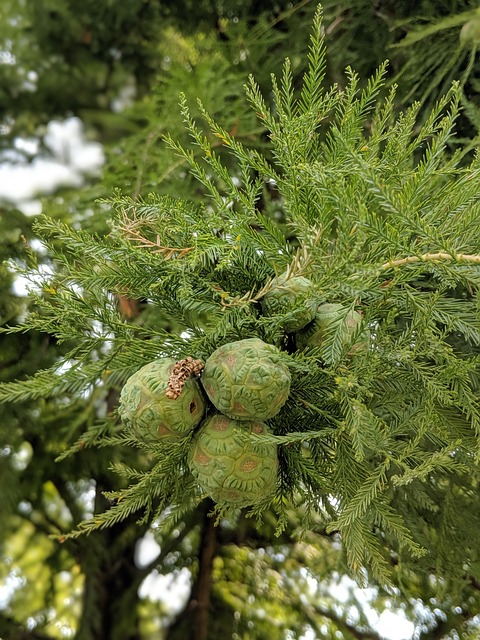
<point x="378" y="439"/>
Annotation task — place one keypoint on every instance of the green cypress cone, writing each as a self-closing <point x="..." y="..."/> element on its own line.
<point x="229" y="465"/>
<point x="145" y="406"/>
<point x="245" y="380"/>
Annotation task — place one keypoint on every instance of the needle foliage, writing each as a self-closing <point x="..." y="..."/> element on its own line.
<point x="379" y="445"/>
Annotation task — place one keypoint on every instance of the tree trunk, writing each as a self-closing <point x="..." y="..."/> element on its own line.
<point x="193" y="622"/>
<point x="202" y="589"/>
<point x="110" y="596"/>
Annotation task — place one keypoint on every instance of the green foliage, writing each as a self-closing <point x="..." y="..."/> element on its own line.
<point x="429" y="44"/>
<point x="384" y="221"/>
<point x="442" y="47"/>
<point x="63" y="57"/>
<point x="377" y="447"/>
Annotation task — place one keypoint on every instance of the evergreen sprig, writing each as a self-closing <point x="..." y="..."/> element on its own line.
<point x="383" y="218"/>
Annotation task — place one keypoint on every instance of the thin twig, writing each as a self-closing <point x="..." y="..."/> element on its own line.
<point x="300" y="262"/>
<point x="130" y="229"/>
<point x="430" y="257"/>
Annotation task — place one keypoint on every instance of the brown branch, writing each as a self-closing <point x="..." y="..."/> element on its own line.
<point x="314" y="610"/>
<point x="203" y="585"/>
<point x="192" y="622"/>
<point x="474" y="582"/>
<point x="333" y="25"/>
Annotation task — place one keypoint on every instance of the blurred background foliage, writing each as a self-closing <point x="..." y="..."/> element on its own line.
<point x="120" y="67"/>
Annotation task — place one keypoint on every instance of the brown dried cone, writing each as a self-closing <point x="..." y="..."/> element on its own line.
<point x="146" y="408"/>
<point x="182" y="370"/>
<point x="231" y="464"/>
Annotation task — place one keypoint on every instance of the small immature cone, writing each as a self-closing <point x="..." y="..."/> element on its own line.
<point x="182" y="370"/>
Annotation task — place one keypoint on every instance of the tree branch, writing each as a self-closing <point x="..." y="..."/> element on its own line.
<point x="202" y="589"/>
<point x="166" y="548"/>
<point x="312" y="611"/>
<point x="192" y="622"/>
<point x="430" y="257"/>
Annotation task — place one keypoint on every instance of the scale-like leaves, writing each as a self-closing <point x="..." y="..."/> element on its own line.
<point x="383" y="217"/>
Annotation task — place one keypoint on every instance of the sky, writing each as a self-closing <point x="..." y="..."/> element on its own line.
<point x="35" y="168"/>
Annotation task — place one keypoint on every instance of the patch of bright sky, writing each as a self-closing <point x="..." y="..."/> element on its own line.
<point x="67" y="160"/>
<point x="172" y="589"/>
<point x="391" y="624"/>
<point x="11" y="583"/>
<point x="22" y="285"/>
